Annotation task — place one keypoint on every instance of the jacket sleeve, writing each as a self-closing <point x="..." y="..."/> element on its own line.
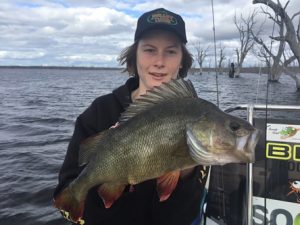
<point x="99" y="116"/>
<point x="183" y="205"/>
<point x="85" y="126"/>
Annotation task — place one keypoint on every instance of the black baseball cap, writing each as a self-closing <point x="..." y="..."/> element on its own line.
<point x="160" y="19"/>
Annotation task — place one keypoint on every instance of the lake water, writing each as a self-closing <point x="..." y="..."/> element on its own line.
<point x="38" y="111"/>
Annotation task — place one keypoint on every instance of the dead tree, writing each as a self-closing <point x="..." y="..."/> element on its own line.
<point x="209" y="64"/>
<point x="263" y="55"/>
<point x="244" y="27"/>
<point x="221" y="58"/>
<point x="201" y="54"/>
<point x="272" y="60"/>
<point x="292" y="35"/>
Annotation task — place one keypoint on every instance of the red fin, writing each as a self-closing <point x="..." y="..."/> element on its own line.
<point x="70" y="207"/>
<point x="110" y="193"/>
<point x="166" y="184"/>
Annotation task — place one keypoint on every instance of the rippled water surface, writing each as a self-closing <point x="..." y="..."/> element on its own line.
<point x="38" y="110"/>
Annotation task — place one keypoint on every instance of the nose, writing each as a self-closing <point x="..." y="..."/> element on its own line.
<point x="159" y="60"/>
<point x="234" y="126"/>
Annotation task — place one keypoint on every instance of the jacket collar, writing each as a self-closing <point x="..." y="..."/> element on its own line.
<point x="123" y="93"/>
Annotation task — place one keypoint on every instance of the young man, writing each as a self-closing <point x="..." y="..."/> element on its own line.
<point x="157" y="55"/>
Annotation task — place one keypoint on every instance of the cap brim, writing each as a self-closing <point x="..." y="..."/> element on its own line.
<point x="162" y="27"/>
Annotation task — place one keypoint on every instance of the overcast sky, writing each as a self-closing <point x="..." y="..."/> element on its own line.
<point x="93" y="32"/>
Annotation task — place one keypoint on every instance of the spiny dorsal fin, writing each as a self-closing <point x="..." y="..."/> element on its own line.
<point x="175" y="89"/>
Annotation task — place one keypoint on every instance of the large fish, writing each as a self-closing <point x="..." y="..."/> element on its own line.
<point x="167" y="130"/>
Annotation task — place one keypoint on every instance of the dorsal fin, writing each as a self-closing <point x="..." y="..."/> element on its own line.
<point x="175" y="89"/>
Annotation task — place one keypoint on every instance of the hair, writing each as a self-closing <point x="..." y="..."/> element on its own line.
<point x="128" y="57"/>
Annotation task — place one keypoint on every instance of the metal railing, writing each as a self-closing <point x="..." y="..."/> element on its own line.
<point x="249" y="173"/>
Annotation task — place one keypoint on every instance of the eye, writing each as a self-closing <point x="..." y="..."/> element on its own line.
<point x="234" y="126"/>
<point x="171" y="52"/>
<point x="150" y="50"/>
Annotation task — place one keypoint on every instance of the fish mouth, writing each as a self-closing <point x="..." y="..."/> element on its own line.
<point x="245" y="146"/>
<point x="243" y="152"/>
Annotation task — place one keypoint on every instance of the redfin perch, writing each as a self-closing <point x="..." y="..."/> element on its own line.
<point x="163" y="132"/>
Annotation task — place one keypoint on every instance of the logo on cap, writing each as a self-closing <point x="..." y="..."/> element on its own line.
<point x="162" y="17"/>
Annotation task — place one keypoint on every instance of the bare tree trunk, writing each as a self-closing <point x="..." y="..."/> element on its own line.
<point x="201" y="55"/>
<point x="244" y="27"/>
<point x="238" y="66"/>
<point x="275" y="73"/>
<point x="272" y="60"/>
<point x="292" y="37"/>
<point x="237" y="71"/>
<point x="221" y="59"/>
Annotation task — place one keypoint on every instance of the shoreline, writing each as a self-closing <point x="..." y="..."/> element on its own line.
<point x="264" y="70"/>
<point x="63" y="67"/>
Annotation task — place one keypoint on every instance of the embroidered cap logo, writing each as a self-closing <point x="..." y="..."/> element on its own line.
<point x="162" y="17"/>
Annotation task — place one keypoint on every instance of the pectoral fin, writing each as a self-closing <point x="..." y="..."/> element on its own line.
<point x="166" y="184"/>
<point x="110" y="193"/>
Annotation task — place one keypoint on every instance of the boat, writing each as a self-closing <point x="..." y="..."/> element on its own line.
<point x="264" y="192"/>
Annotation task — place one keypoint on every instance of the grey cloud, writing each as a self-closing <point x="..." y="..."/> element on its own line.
<point x="62" y="34"/>
<point x="70" y="32"/>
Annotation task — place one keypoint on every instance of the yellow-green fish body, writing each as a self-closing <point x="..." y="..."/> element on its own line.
<point x="167" y="130"/>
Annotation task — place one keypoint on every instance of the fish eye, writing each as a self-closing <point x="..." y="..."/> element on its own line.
<point x="234" y="126"/>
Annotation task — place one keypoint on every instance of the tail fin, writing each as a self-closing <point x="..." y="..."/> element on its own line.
<point x="70" y="207"/>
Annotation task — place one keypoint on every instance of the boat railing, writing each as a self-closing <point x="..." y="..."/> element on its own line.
<point x="251" y="108"/>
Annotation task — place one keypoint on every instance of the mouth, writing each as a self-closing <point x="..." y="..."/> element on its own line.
<point x="158" y="76"/>
<point x="246" y="145"/>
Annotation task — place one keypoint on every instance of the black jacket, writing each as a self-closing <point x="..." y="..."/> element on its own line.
<point x="142" y="206"/>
